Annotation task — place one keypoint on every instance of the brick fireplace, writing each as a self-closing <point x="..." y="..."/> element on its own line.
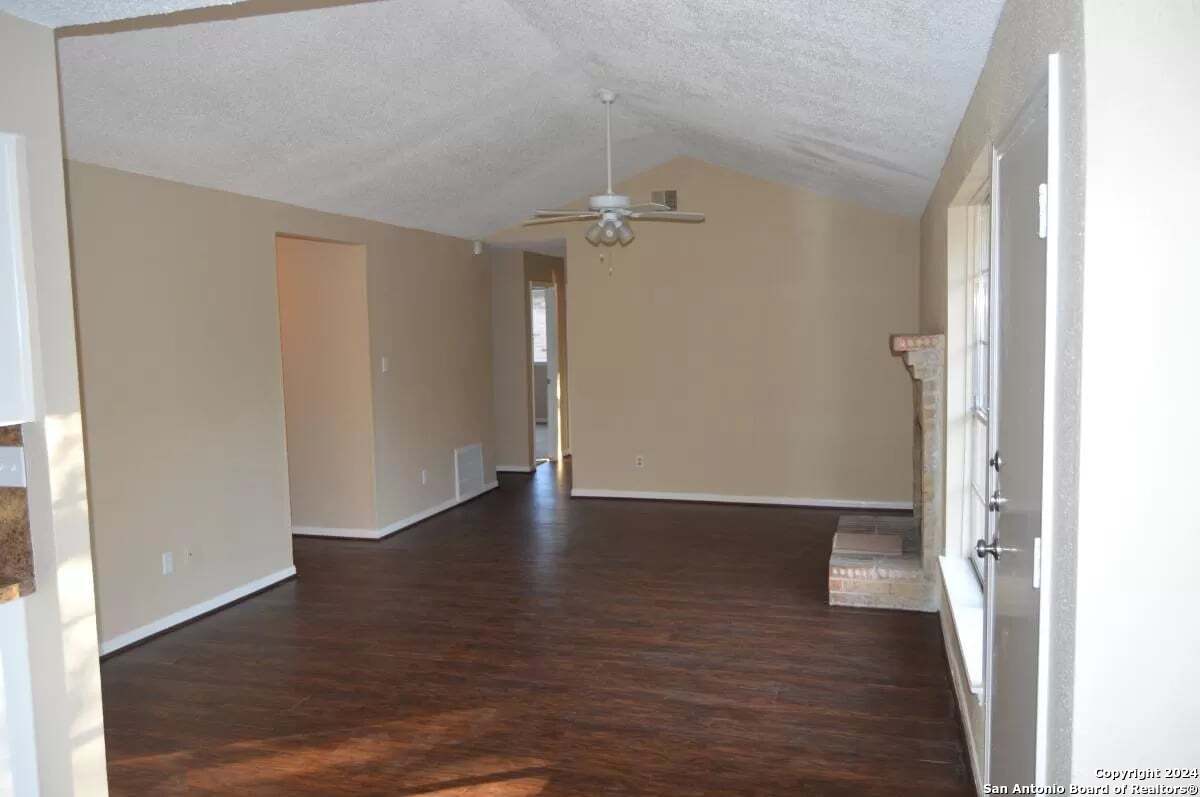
<point x="889" y="561"/>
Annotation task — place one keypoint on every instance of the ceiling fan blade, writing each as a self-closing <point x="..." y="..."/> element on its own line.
<point x="669" y="215"/>
<point x="648" y="206"/>
<point x="560" y="212"/>
<point x="577" y="216"/>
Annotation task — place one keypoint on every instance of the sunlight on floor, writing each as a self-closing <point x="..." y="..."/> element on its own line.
<point x="429" y="755"/>
<point x="495" y="787"/>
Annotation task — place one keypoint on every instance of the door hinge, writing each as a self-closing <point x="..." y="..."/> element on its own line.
<point x="1037" y="562"/>
<point x="1043" y="218"/>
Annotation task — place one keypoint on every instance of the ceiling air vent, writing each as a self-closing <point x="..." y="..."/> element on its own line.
<point x="668" y="198"/>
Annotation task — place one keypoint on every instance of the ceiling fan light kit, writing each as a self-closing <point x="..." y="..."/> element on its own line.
<point x="609" y="212"/>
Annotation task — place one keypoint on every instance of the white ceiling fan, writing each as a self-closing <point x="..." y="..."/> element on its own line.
<point x="612" y="212"/>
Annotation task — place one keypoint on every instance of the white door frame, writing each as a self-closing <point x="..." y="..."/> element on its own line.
<point x="1052" y="88"/>
<point x="551" y="386"/>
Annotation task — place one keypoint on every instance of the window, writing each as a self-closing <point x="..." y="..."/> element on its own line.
<point x="538" y="303"/>
<point x="979" y="367"/>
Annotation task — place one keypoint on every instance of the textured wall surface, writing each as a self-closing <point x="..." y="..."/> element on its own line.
<point x="358" y="109"/>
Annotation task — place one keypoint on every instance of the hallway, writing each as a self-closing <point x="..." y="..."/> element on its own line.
<point x="527" y="643"/>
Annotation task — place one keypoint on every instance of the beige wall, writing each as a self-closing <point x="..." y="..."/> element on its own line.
<point x="746" y="356"/>
<point x="430" y="315"/>
<point x="1028" y="32"/>
<point x="66" y="754"/>
<point x="327" y="383"/>
<point x="182" y="382"/>
<point x="510" y="358"/>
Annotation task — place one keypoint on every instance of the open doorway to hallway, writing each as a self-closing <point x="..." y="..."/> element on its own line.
<point x="325" y="346"/>
<point x="543" y="334"/>
<point x="531" y="385"/>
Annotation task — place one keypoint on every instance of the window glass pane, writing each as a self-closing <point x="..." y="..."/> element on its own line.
<point x="979" y="456"/>
<point x="983" y="356"/>
<point x="977" y="511"/>
<point x="977" y="353"/>
<point x="980" y="326"/>
<point x="539" y="326"/>
<point x="978" y="521"/>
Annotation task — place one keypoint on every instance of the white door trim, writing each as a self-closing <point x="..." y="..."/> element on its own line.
<point x="551" y="386"/>
<point x="1049" y="416"/>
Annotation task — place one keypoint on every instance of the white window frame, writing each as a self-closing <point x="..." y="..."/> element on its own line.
<point x="979" y="303"/>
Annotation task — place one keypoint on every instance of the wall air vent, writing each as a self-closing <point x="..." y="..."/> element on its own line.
<point x="468" y="471"/>
<point x="668" y="198"/>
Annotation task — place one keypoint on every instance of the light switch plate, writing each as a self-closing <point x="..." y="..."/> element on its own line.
<point x="12" y="466"/>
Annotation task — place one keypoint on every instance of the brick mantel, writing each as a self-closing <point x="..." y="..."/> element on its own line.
<point x="924" y="355"/>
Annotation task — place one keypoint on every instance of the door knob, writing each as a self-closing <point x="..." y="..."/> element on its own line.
<point x="997" y="502"/>
<point x="996" y="461"/>
<point x="983" y="550"/>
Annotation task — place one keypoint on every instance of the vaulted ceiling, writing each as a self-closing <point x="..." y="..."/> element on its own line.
<point x="460" y="116"/>
<point x="57" y="13"/>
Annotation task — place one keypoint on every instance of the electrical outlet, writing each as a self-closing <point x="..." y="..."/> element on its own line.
<point x="168" y="563"/>
<point x="424" y="476"/>
<point x="383" y="365"/>
<point x="639" y="461"/>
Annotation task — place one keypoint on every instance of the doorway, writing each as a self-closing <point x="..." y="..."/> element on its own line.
<point x="1018" y="450"/>
<point x="326" y="355"/>
<point x="545" y="390"/>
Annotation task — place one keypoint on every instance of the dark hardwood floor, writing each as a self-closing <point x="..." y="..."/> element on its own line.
<point x="531" y="644"/>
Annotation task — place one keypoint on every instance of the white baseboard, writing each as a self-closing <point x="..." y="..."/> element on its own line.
<point x="442" y="507"/>
<point x="836" y="503"/>
<point x="183" y="615"/>
<point x="392" y="528"/>
<point x="514" y="469"/>
<point x="323" y="531"/>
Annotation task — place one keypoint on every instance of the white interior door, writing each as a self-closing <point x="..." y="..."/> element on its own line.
<point x="1020" y="228"/>
<point x="551" y="386"/>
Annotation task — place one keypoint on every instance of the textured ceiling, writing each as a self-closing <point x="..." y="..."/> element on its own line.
<point x="57" y="13"/>
<point x="460" y="116"/>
